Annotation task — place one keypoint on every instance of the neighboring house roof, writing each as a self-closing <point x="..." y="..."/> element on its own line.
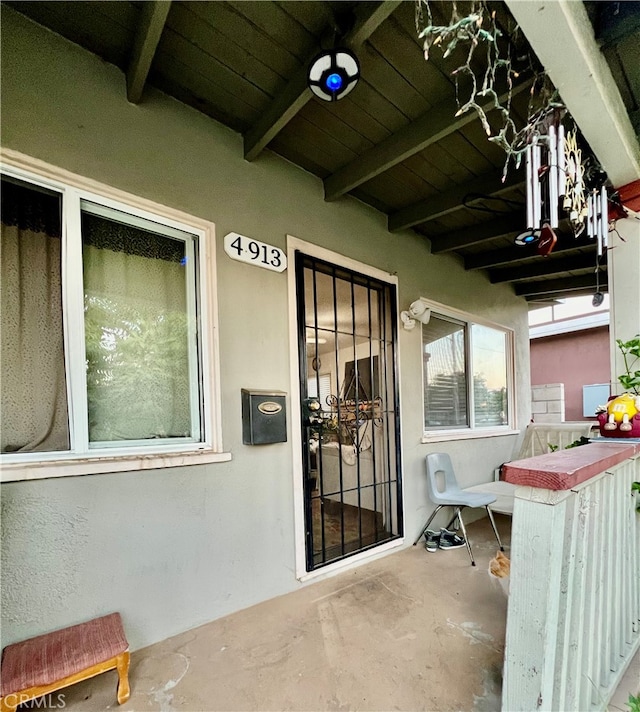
<point x="566" y="326"/>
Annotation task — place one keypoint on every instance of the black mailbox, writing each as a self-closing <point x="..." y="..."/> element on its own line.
<point x="264" y="417"/>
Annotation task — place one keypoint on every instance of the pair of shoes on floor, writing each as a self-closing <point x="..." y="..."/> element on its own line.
<point x="444" y="539"/>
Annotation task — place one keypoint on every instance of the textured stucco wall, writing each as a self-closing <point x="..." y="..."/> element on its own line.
<point x="576" y="359"/>
<point x="174" y="548"/>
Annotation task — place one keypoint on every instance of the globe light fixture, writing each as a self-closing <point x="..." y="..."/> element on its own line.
<point x="333" y="74"/>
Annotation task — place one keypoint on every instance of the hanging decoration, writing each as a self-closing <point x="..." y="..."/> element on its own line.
<point x="575" y="200"/>
<point x="479" y="29"/>
<point x="557" y="179"/>
<point x="546" y="181"/>
<point x="467" y="30"/>
<point x="598" y="218"/>
<point x="598" y="297"/>
<point x="560" y="181"/>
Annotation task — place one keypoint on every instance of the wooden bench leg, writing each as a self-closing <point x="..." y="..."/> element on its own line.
<point x="122" y="665"/>
<point x="9" y="703"/>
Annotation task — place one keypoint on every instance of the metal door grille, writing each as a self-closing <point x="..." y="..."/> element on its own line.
<point x="347" y="330"/>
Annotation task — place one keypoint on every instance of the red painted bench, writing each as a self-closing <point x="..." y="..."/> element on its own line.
<point x="49" y="662"/>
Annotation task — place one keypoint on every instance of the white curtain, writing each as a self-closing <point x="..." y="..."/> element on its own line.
<point x="136" y="333"/>
<point x="33" y="398"/>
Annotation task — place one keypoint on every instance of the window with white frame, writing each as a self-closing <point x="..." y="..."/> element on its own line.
<point x="101" y="331"/>
<point x="467" y="374"/>
<point x="319" y="386"/>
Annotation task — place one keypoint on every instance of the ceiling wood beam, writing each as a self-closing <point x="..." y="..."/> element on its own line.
<point x="582" y="76"/>
<point x="434" y="125"/>
<point x="472" y="235"/>
<point x="616" y="21"/>
<point x="442" y="204"/>
<point x="558" y="286"/>
<point x="506" y="255"/>
<point x="297" y="93"/>
<point x="544" y="267"/>
<point x="554" y="297"/>
<point x="368" y="19"/>
<point x="152" y="21"/>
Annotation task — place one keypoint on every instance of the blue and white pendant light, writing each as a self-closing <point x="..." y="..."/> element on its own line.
<point x="333" y="74"/>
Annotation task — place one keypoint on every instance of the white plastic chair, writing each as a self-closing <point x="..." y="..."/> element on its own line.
<point x="451" y="495"/>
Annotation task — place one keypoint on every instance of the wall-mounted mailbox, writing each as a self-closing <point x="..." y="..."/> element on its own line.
<point x="264" y="417"/>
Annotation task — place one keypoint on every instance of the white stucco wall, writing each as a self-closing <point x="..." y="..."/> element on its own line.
<point x="174" y="548"/>
<point x="624" y="288"/>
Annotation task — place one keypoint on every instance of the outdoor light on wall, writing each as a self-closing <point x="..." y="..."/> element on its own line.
<point x="418" y="312"/>
<point x="333" y="74"/>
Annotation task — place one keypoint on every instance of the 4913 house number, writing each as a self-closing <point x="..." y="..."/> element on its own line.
<point x="254" y="252"/>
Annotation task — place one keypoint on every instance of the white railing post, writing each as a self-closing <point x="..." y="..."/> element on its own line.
<point x="573" y="620"/>
<point x="533" y="618"/>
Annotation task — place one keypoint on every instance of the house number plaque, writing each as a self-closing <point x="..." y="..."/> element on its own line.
<point x="254" y="252"/>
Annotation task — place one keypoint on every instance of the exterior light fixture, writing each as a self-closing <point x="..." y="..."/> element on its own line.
<point x="418" y="312"/>
<point x="333" y="74"/>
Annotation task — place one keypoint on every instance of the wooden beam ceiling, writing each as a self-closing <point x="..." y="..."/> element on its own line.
<point x="616" y="21"/>
<point x="436" y="124"/>
<point x="562" y="285"/>
<point x="296" y="93"/>
<point x="441" y="204"/>
<point x="129" y="34"/>
<point x="368" y="19"/>
<point x="507" y="255"/>
<point x="153" y="15"/>
<point x="544" y="267"/>
<point x="555" y="297"/>
<point x="457" y="239"/>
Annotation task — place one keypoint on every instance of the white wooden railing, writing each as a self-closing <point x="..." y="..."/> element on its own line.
<point x="541" y="438"/>
<point x="573" y="621"/>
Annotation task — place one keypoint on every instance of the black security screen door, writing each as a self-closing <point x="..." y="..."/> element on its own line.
<point x="347" y="333"/>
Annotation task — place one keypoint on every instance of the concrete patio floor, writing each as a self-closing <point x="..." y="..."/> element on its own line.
<point x="410" y="631"/>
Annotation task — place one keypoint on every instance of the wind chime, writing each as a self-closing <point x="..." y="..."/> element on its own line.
<point x="556" y="180"/>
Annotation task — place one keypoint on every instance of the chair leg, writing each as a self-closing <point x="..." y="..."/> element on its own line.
<point x="455" y="516"/>
<point x="426" y="526"/>
<point x="495" y="528"/>
<point x="466" y="539"/>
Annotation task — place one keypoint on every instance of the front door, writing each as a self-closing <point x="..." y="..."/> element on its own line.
<point x="347" y="329"/>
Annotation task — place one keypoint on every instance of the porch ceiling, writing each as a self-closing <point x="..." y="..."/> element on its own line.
<point x="393" y="143"/>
